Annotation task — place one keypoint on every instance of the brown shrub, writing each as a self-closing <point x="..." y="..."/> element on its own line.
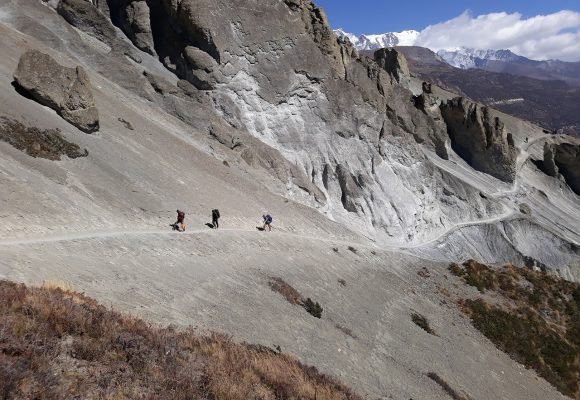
<point x="345" y="330"/>
<point x="57" y="344"/>
<point x="445" y="386"/>
<point x="36" y="142"/>
<point x="294" y="297"/>
<point x="422" y="323"/>
<point x="290" y="294"/>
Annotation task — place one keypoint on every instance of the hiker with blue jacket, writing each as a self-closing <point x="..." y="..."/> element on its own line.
<point x="267" y="221"/>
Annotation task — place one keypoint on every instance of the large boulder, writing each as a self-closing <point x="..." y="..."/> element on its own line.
<point x="480" y="138"/>
<point x="65" y="90"/>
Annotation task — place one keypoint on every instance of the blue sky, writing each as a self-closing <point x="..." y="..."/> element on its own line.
<point x="378" y="16"/>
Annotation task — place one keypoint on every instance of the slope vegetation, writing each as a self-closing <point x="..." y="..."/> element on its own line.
<point x="59" y="344"/>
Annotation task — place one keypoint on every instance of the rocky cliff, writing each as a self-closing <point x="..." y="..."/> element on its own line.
<point x="348" y="126"/>
<point x="480" y="138"/>
<point x="563" y="161"/>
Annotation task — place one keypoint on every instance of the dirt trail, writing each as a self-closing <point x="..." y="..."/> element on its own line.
<point x="113" y="234"/>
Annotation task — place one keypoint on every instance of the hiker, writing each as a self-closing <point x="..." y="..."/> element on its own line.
<point x="215" y="216"/>
<point x="267" y="221"/>
<point x="180" y="225"/>
<point x="526" y="139"/>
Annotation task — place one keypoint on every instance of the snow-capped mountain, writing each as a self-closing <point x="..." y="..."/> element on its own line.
<point x="502" y="61"/>
<point x="389" y="39"/>
<point x="466" y="58"/>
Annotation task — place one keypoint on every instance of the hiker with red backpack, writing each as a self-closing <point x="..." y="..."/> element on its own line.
<point x="179" y="225"/>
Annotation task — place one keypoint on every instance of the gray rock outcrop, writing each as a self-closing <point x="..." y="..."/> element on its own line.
<point x="136" y="20"/>
<point x="65" y="90"/>
<point x="395" y="64"/>
<point x="480" y="138"/>
<point x="436" y="129"/>
<point x="85" y="16"/>
<point x="563" y="160"/>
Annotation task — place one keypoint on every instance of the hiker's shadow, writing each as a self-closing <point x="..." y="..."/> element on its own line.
<point x="260" y="228"/>
<point x="210" y="226"/>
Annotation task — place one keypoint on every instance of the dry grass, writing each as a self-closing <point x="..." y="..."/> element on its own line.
<point x="537" y="323"/>
<point x="56" y="284"/>
<point x="345" y="330"/>
<point x="445" y="386"/>
<point x="422" y="323"/>
<point x="36" y="142"/>
<point x="294" y="297"/>
<point x="56" y="344"/>
<point x="290" y="294"/>
<point x="424" y="273"/>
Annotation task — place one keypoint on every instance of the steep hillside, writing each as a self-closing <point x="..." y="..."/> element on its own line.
<point x="255" y="108"/>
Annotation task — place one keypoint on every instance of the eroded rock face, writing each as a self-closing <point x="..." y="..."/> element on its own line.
<point x="310" y="109"/>
<point x="436" y="129"/>
<point x="480" y="138"/>
<point x="395" y="64"/>
<point x="65" y="90"/>
<point x="136" y="20"/>
<point x="563" y="160"/>
<point x="256" y="153"/>
<point x="85" y="16"/>
<point x="350" y="188"/>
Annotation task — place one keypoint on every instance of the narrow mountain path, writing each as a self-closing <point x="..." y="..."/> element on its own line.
<point x="120" y="233"/>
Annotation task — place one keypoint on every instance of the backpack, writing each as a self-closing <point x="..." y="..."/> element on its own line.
<point x="181" y="215"/>
<point x="215" y="213"/>
<point x="269" y="219"/>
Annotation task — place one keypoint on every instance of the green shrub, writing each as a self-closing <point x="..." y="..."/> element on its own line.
<point x="312" y="307"/>
<point x="529" y="339"/>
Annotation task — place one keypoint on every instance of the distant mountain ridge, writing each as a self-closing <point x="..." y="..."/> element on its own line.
<point x="506" y="61"/>
<point x="553" y="104"/>
<point x="466" y="58"/>
<point x="373" y="42"/>
<point x="502" y="60"/>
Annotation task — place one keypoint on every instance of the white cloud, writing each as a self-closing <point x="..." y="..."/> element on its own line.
<point x="553" y="36"/>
